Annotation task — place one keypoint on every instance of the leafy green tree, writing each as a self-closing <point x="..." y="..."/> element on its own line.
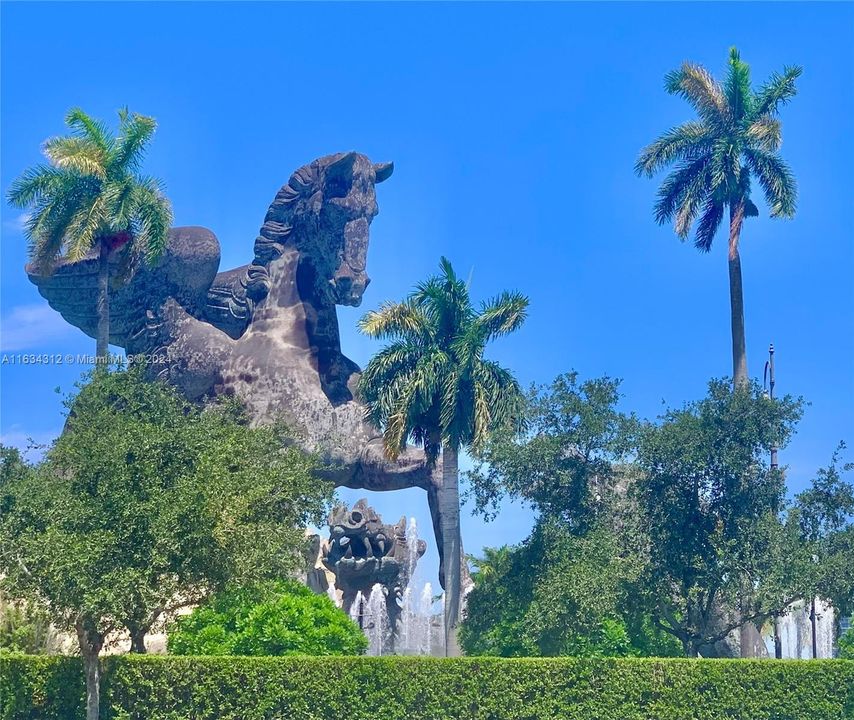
<point x="564" y="462"/>
<point x="280" y="618"/>
<point x="559" y="593"/>
<point x="432" y="384"/>
<point x="91" y="197"/>
<point x="568" y="588"/>
<point x="711" y="506"/>
<point x="824" y="512"/>
<point x="146" y="503"/>
<point x="735" y="138"/>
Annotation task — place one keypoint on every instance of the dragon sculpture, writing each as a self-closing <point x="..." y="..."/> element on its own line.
<point x="362" y="551"/>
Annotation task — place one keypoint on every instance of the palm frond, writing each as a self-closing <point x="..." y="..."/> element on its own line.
<point x="750" y="209"/>
<point x="119" y="197"/>
<point x="696" y="193"/>
<point x="707" y="226"/>
<point x="152" y="213"/>
<point x="765" y="133"/>
<point x="135" y="132"/>
<point x="690" y="178"/>
<point x="776" y="179"/>
<point x="34" y="183"/>
<point x="45" y="231"/>
<point x="725" y="168"/>
<point x="695" y="84"/>
<point x="684" y="142"/>
<point x="445" y="301"/>
<point x="84" y="228"/>
<point x="502" y="315"/>
<point x="394" y="320"/>
<point x="393" y="360"/>
<point x="780" y="88"/>
<point x="737" y="88"/>
<point x="503" y="393"/>
<point x="77" y="154"/>
<point x="91" y="129"/>
<point x="423" y="386"/>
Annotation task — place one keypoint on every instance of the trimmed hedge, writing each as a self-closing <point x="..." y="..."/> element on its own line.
<point x="236" y="688"/>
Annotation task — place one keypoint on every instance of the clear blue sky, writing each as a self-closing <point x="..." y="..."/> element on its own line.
<point x="514" y="129"/>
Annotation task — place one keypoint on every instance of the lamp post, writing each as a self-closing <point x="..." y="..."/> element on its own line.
<point x="768" y="380"/>
<point x="769" y="376"/>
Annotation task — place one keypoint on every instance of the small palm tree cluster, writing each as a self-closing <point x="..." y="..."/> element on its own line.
<point x="92" y="197"/>
<point x="736" y="138"/>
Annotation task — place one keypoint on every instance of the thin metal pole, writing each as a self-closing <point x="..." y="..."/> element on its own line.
<point x="769" y="376"/>
<point x="774" y="464"/>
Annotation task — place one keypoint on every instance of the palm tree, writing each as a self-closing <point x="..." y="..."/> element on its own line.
<point x="91" y="197"/>
<point x="431" y="384"/>
<point x="736" y="137"/>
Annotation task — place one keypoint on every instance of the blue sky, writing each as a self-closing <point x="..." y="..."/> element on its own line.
<point x="514" y="129"/>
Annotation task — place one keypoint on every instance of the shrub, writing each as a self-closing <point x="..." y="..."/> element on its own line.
<point x="846" y="644"/>
<point x="231" y="688"/>
<point x="24" y="628"/>
<point x="283" y="618"/>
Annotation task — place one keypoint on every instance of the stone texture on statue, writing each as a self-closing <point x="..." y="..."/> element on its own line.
<point x="362" y="551"/>
<point x="266" y="332"/>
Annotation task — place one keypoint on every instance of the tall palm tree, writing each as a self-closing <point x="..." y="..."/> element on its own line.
<point x="431" y="384"/>
<point x="736" y="137"/>
<point x="91" y="197"/>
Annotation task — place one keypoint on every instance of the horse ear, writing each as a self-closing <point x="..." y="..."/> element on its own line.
<point x="383" y="171"/>
<point x="342" y="167"/>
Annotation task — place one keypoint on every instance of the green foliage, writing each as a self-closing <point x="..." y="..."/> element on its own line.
<point x="823" y="513"/>
<point x="558" y="593"/>
<point x="562" y="462"/>
<point x="192" y="688"/>
<point x="91" y="192"/>
<point x="146" y="502"/>
<point x="711" y="506"/>
<point x="736" y="137"/>
<point x="24" y="628"/>
<point x="431" y="384"/>
<point x="283" y="618"/>
<point x="846" y="644"/>
<point x="567" y="590"/>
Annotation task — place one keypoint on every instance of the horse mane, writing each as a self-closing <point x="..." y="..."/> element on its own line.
<point x="233" y="295"/>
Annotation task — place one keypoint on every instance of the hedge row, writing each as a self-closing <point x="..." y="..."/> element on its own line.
<point x="229" y="688"/>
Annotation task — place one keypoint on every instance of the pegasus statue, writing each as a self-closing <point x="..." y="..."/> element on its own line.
<point x="265" y="332"/>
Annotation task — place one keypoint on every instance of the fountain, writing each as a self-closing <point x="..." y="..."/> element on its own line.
<point x="416" y="634"/>
<point x="796" y="631"/>
<point x="356" y="610"/>
<point x="332" y="592"/>
<point x="371" y="572"/>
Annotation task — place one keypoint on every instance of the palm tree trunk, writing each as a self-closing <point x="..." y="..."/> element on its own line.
<point x="102" y="343"/>
<point x="449" y="507"/>
<point x="736" y="296"/>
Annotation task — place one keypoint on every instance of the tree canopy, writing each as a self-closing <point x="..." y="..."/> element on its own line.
<point x="146" y="503"/>
<point x="91" y="191"/>
<point x="736" y="137"/>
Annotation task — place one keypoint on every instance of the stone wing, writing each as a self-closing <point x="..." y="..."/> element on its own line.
<point x="184" y="272"/>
